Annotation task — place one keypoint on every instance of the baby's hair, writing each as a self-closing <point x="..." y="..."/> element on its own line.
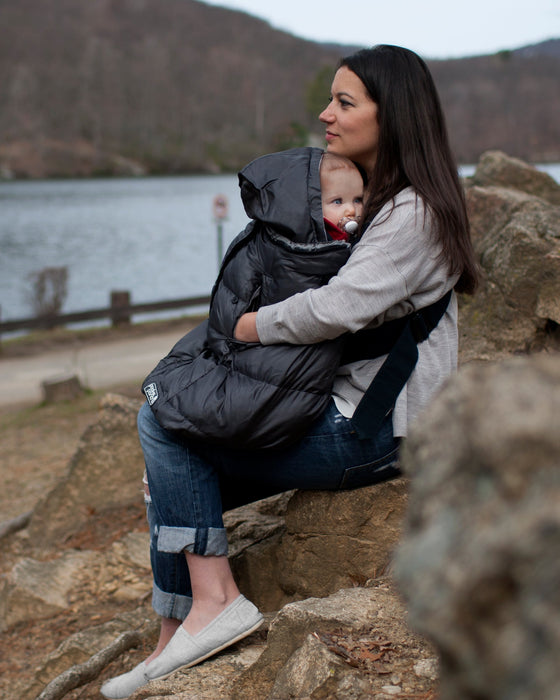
<point x="331" y="162"/>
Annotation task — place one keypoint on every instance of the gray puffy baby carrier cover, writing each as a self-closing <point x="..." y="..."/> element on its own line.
<point x="245" y="395"/>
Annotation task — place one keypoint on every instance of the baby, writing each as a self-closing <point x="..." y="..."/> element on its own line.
<point x="342" y="190"/>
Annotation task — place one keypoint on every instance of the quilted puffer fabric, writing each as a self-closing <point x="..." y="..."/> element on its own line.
<point x="245" y="395"/>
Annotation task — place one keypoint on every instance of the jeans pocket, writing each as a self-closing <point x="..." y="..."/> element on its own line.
<point x="382" y="469"/>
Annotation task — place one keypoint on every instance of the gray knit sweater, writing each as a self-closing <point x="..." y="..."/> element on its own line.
<point x="393" y="270"/>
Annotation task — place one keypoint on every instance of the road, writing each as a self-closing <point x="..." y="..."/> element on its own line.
<point x="99" y="366"/>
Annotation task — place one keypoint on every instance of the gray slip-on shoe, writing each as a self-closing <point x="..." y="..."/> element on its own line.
<point x="124" y="685"/>
<point x="237" y="621"/>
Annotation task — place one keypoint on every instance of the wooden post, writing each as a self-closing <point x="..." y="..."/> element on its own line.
<point x="120" y="303"/>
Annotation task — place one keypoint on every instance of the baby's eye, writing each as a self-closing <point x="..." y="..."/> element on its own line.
<point x="358" y="200"/>
<point x="338" y="200"/>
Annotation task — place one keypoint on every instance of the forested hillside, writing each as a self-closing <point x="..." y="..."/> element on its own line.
<point x="509" y="101"/>
<point x="180" y="86"/>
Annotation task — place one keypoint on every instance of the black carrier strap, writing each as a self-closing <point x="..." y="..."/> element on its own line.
<point x="398" y="339"/>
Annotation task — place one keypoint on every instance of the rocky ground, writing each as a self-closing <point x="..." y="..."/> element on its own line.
<point x="37" y="444"/>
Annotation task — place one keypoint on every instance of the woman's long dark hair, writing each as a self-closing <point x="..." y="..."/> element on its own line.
<point x="413" y="149"/>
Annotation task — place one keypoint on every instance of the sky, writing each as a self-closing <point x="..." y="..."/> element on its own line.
<point x="432" y="28"/>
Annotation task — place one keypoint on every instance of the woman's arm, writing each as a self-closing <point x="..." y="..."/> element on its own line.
<point x="392" y="270"/>
<point x="246" y="328"/>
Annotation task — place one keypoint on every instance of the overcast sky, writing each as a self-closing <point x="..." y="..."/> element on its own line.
<point x="432" y="28"/>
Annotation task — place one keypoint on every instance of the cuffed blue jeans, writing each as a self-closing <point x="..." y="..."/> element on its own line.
<point x="192" y="483"/>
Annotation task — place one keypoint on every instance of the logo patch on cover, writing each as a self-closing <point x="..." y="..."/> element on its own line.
<point x="151" y="393"/>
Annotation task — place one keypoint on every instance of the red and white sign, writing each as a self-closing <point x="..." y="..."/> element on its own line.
<point x="220" y="207"/>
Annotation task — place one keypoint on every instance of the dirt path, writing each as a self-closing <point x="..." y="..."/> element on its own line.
<point x="100" y="361"/>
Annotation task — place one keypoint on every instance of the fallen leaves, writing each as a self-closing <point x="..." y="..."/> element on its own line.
<point x="360" y="651"/>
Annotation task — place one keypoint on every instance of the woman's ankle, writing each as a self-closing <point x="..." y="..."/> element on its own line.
<point x="203" y="612"/>
<point x="168" y="627"/>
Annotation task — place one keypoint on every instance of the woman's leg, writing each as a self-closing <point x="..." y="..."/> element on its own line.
<point x="185" y="515"/>
<point x="185" y="495"/>
<point x="213" y="590"/>
<point x="191" y="485"/>
<point x="188" y="549"/>
<point x="329" y="457"/>
<point x="173" y="570"/>
<point x="185" y="484"/>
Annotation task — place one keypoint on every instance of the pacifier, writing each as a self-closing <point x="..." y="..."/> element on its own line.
<point x="350" y="226"/>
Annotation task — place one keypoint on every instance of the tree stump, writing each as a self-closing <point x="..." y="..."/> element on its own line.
<point x="62" y="388"/>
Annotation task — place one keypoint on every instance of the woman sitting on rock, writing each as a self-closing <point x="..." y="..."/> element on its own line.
<point x="412" y="251"/>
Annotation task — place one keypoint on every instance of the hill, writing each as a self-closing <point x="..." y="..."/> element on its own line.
<point x="507" y="101"/>
<point x="133" y="86"/>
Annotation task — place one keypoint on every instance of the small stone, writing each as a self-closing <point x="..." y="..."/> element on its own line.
<point x="391" y="689"/>
<point x="427" y="668"/>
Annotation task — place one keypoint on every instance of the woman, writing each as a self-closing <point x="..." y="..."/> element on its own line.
<point x="414" y="248"/>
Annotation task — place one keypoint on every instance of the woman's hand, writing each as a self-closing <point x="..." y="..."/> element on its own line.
<point x="246" y="328"/>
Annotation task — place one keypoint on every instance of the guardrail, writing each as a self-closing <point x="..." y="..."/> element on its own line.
<point x="120" y="313"/>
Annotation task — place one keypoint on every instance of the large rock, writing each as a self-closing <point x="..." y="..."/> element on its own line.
<point x="255" y="533"/>
<point x="104" y="473"/>
<point x="498" y="169"/>
<point x="352" y="644"/>
<point x="479" y="563"/>
<point x="517" y="238"/>
<point x="35" y="589"/>
<point x="338" y="539"/>
<point x="313" y="543"/>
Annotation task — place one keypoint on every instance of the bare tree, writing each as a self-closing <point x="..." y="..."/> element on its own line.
<point x="49" y="291"/>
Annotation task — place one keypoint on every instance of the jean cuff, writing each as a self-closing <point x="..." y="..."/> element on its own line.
<point x="171" y="605"/>
<point x="208" y="541"/>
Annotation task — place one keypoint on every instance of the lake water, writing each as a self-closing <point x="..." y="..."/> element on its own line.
<point x="155" y="237"/>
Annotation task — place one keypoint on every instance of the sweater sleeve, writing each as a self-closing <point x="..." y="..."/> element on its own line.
<point x="395" y="261"/>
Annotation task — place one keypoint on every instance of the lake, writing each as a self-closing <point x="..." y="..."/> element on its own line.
<point x="155" y="237"/>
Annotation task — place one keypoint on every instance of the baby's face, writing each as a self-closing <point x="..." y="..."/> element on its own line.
<point x="342" y="195"/>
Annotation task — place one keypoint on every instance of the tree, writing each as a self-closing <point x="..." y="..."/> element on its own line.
<point x="49" y="291"/>
<point x="318" y="92"/>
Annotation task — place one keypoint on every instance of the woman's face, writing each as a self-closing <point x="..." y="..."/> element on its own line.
<point x="351" y="120"/>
